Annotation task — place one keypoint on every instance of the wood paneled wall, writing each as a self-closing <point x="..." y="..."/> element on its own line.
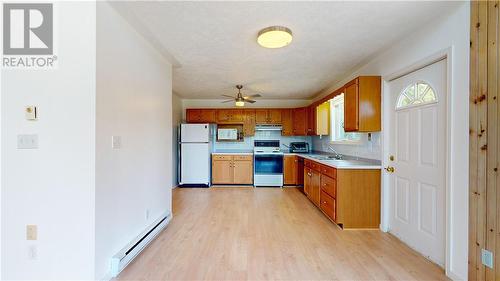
<point x="484" y="199"/>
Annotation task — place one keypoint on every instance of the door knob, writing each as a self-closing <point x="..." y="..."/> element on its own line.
<point x="389" y="169"/>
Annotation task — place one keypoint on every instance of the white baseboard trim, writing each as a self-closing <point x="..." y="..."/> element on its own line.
<point x="135" y="247"/>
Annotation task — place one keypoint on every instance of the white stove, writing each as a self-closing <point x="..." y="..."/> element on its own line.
<point x="268" y="163"/>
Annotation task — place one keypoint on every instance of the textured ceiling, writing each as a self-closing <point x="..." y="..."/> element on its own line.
<point x="215" y="45"/>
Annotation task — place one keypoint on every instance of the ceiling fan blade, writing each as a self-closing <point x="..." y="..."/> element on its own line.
<point x="253" y="96"/>
<point x="227" y="96"/>
<point x="250" y="101"/>
<point x="227" y="101"/>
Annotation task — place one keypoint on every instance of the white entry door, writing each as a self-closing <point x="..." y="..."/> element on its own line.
<point x="418" y="148"/>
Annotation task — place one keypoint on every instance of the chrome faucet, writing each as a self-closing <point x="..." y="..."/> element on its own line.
<point x="338" y="156"/>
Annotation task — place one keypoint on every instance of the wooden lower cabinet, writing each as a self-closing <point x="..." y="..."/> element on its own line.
<point x="232" y="169"/>
<point x="243" y="171"/>
<point x="293" y="167"/>
<point x="350" y="198"/>
<point x="300" y="169"/>
<point x="358" y="198"/>
<point x="315" y="187"/>
<point x="312" y="181"/>
<point x="307" y="181"/>
<point x="327" y="205"/>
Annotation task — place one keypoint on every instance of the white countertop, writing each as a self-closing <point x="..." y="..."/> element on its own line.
<point x="347" y="164"/>
<point x="229" y="151"/>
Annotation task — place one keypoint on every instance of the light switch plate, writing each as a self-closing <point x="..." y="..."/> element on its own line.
<point x="487" y="258"/>
<point x="31" y="232"/>
<point x="27" y="141"/>
<point x="116" y="142"/>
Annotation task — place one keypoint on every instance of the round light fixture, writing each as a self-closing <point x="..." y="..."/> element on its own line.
<point x="239" y="103"/>
<point x="274" y="37"/>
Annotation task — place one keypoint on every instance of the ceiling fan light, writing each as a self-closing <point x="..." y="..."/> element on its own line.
<point x="274" y="37"/>
<point x="239" y="103"/>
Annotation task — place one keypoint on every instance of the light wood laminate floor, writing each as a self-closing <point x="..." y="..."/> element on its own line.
<point x="242" y="233"/>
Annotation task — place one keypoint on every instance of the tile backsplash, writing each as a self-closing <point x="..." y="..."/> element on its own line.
<point x="365" y="149"/>
<point x="247" y="143"/>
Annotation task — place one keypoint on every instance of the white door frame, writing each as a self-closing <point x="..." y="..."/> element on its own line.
<point x="385" y="194"/>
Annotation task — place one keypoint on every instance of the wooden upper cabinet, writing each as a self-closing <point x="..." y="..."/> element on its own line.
<point x="268" y="116"/>
<point x="351" y="107"/>
<point x="261" y="116"/>
<point x="300" y="121"/>
<point x="275" y="116"/>
<point x="362" y="104"/>
<point x="230" y="115"/>
<point x="201" y="115"/>
<point x="249" y="123"/>
<point x="311" y="120"/>
<point x="323" y="119"/>
<point x="290" y="163"/>
<point x="287" y="122"/>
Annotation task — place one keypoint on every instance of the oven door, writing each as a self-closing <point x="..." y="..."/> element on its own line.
<point x="268" y="164"/>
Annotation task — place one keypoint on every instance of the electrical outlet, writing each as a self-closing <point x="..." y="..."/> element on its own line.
<point x="32" y="252"/>
<point x="31" y="232"/>
<point x="487" y="258"/>
<point x="27" y="141"/>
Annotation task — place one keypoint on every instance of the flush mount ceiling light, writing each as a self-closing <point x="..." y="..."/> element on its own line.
<point x="274" y="37"/>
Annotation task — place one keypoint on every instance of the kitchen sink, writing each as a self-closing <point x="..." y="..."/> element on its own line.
<point x="330" y="157"/>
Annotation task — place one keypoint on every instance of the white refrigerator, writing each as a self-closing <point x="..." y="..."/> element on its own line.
<point x="196" y="143"/>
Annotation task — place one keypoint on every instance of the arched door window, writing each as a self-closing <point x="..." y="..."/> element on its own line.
<point x="419" y="93"/>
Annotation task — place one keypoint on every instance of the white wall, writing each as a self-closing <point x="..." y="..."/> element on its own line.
<point x="176" y="120"/>
<point x="52" y="186"/>
<point x="448" y="32"/>
<point x="134" y="101"/>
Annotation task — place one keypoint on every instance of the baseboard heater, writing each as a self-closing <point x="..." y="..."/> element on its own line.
<point x="134" y="248"/>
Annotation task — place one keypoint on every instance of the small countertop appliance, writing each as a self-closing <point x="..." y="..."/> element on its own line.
<point x="299" y="147"/>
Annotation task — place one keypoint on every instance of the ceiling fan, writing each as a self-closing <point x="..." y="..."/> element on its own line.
<point x="240" y="100"/>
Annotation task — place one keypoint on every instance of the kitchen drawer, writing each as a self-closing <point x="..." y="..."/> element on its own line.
<point x="243" y="157"/>
<point x="329" y="171"/>
<point x="222" y="157"/>
<point x="327" y="205"/>
<point x="307" y="163"/>
<point x="316" y="166"/>
<point x="328" y="185"/>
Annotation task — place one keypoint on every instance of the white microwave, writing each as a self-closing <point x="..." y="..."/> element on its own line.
<point x="227" y="134"/>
